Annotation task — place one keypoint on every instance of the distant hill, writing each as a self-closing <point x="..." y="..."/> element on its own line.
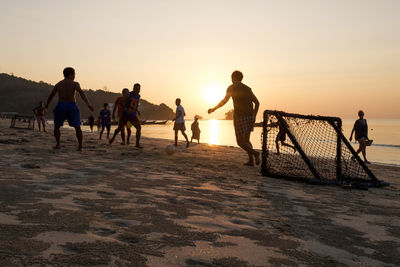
<point x="21" y="95"/>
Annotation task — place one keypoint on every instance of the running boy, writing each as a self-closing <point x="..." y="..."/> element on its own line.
<point x="179" y="124"/>
<point x="119" y="106"/>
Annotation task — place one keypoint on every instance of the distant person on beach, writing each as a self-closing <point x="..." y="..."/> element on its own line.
<point x="361" y="135"/>
<point x="244" y="114"/>
<point x="179" y="124"/>
<point x="40" y="113"/>
<point x="129" y="114"/>
<point x="66" y="108"/>
<point x="91" y="122"/>
<point x="280" y="137"/>
<point x="195" y="130"/>
<point x="98" y="123"/>
<point x="119" y="107"/>
<point x="105" y="116"/>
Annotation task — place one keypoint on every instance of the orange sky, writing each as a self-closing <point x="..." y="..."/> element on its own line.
<point x="314" y="57"/>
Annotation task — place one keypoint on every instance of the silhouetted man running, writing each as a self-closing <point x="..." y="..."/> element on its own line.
<point x="244" y="114"/>
<point x="66" y="108"/>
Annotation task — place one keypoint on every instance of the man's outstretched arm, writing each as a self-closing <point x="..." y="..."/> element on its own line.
<point x="222" y="103"/>
<point x="83" y="95"/>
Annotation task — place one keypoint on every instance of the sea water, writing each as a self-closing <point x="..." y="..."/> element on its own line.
<point x="385" y="133"/>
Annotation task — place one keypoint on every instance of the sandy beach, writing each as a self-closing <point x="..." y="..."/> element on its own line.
<point x="122" y="206"/>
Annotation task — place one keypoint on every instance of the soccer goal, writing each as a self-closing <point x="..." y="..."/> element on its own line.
<point x="311" y="149"/>
<point x="23" y="122"/>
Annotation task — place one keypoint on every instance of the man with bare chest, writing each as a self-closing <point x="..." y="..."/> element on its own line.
<point x="66" y="108"/>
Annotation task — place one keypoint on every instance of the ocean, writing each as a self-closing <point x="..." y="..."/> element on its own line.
<point x="384" y="150"/>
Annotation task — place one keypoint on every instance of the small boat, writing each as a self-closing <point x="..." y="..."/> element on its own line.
<point x="153" y="122"/>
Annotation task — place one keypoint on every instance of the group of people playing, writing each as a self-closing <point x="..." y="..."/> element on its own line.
<point x="245" y="104"/>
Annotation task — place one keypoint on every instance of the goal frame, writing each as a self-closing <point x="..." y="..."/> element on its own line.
<point x="336" y="124"/>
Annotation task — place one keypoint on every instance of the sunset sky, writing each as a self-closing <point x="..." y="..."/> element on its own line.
<point x="313" y="57"/>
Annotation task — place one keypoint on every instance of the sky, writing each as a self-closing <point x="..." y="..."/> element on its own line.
<point x="303" y="56"/>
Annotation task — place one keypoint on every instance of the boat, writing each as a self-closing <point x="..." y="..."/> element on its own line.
<point x="153" y="122"/>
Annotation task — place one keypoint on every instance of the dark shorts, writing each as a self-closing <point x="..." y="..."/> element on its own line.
<point x="179" y="126"/>
<point x="106" y="125"/>
<point x="243" y="125"/>
<point x="67" y="111"/>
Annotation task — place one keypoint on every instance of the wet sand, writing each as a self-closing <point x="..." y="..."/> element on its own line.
<point x="122" y="206"/>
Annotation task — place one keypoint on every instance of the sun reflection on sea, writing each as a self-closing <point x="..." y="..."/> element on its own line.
<point x="214" y="132"/>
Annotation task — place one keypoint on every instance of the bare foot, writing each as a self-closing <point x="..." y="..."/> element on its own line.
<point x="367" y="162"/>
<point x="138" y="146"/>
<point x="111" y="141"/>
<point x="79" y="148"/>
<point x="187" y="144"/>
<point x="57" y="147"/>
<point x="250" y="163"/>
<point x="122" y="143"/>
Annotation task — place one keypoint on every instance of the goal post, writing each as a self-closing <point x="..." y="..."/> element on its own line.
<point x="311" y="149"/>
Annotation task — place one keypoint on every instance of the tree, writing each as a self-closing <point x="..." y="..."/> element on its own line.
<point x="229" y="115"/>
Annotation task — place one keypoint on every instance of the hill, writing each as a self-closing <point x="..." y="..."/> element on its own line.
<point x="21" y="95"/>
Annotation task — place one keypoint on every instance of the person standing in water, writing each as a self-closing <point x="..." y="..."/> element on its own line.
<point x="361" y="135"/>
<point x="195" y="130"/>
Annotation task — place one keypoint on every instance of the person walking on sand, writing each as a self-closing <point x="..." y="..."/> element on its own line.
<point x="66" y="108"/>
<point x="244" y="114"/>
<point x="129" y="114"/>
<point x="179" y="124"/>
<point x="195" y="130"/>
<point x="361" y="135"/>
<point x="119" y="107"/>
<point x="40" y="113"/>
<point x="91" y="122"/>
<point x="105" y="116"/>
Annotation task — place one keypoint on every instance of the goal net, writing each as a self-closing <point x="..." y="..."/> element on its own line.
<point x="312" y="149"/>
<point x="22" y="122"/>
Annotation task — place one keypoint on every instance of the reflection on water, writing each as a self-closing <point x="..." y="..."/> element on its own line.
<point x="213" y="132"/>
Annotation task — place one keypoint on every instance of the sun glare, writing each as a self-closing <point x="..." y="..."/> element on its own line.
<point x="213" y="132"/>
<point x="213" y="94"/>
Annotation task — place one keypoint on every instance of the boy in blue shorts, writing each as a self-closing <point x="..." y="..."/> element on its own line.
<point x="66" y="108"/>
<point x="105" y="116"/>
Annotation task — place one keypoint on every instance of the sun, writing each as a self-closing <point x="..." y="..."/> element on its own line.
<point x="213" y="94"/>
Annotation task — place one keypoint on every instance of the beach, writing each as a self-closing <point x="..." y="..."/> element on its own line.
<point x="123" y="206"/>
